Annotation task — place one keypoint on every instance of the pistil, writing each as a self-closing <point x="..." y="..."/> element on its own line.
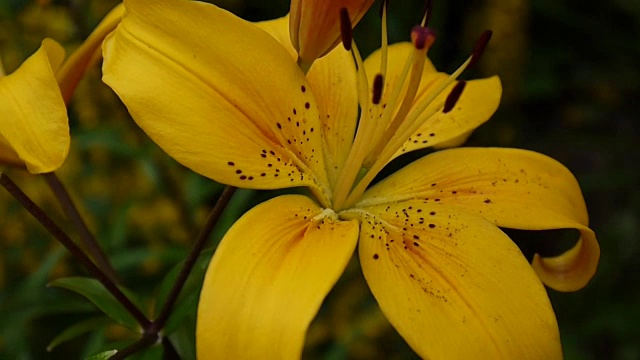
<point x="386" y="122"/>
<point x="409" y="125"/>
<point x="350" y="170"/>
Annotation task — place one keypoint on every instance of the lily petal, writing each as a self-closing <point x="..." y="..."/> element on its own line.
<point x="191" y="92"/>
<point x="268" y="279"/>
<point x="478" y="102"/>
<point x="512" y="188"/>
<point x="279" y="29"/>
<point x="34" y="125"/>
<point x="315" y="24"/>
<point x="74" y="68"/>
<point x="334" y="85"/>
<point x="454" y="285"/>
<point x="8" y="156"/>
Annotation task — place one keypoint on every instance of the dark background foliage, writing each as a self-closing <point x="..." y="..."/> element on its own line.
<point x="570" y="74"/>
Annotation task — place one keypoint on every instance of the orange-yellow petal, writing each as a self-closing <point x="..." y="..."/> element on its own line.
<point x="34" y="125"/>
<point x="454" y="285"/>
<point x="334" y="86"/>
<point x="315" y="24"/>
<point x="512" y="188"/>
<point x="479" y="100"/>
<point x="268" y="279"/>
<point x="8" y="156"/>
<point x="82" y="58"/>
<point x="233" y="107"/>
<point x="279" y="29"/>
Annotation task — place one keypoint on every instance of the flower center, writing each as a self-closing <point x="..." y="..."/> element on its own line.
<point x="388" y="120"/>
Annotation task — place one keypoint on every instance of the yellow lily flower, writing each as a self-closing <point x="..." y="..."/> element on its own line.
<point x="34" y="130"/>
<point x="226" y="98"/>
<point x="314" y="25"/>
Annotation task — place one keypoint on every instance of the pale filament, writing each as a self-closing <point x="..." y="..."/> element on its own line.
<point x="353" y="163"/>
<point x="384" y="127"/>
<point x="408" y="127"/>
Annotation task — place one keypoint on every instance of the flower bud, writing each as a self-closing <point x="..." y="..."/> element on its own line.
<point x="314" y="25"/>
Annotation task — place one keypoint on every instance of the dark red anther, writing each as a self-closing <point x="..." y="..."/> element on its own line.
<point x="346" y="31"/>
<point x="454" y="96"/>
<point x="478" y="49"/>
<point x="378" y="85"/>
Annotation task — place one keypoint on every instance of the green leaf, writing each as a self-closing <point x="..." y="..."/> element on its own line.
<point x="119" y="227"/>
<point x="76" y="330"/>
<point x="99" y="296"/>
<point x="103" y="355"/>
<point x="38" y="279"/>
<point x="184" y="307"/>
<point x="184" y="341"/>
<point x="152" y="353"/>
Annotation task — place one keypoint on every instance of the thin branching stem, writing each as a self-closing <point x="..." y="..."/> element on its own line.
<point x="74" y="249"/>
<point x="144" y="342"/>
<point x="72" y="213"/>
<point x="191" y="259"/>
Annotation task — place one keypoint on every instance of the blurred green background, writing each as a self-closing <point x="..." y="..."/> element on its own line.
<point x="570" y="75"/>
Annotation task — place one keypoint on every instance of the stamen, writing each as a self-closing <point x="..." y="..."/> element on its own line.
<point x="479" y="47"/>
<point x="395" y="137"/>
<point x="454" y="96"/>
<point x="346" y="31"/>
<point x="384" y="46"/>
<point x="353" y="163"/>
<point x="384" y="6"/>
<point x="378" y="85"/>
<point x="422" y="39"/>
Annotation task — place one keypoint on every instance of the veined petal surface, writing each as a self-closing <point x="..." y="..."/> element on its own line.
<point x="232" y="107"/>
<point x="454" y="285"/>
<point x="34" y="123"/>
<point x="334" y="85"/>
<point x="512" y="188"/>
<point x="268" y="279"/>
<point x="479" y="100"/>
